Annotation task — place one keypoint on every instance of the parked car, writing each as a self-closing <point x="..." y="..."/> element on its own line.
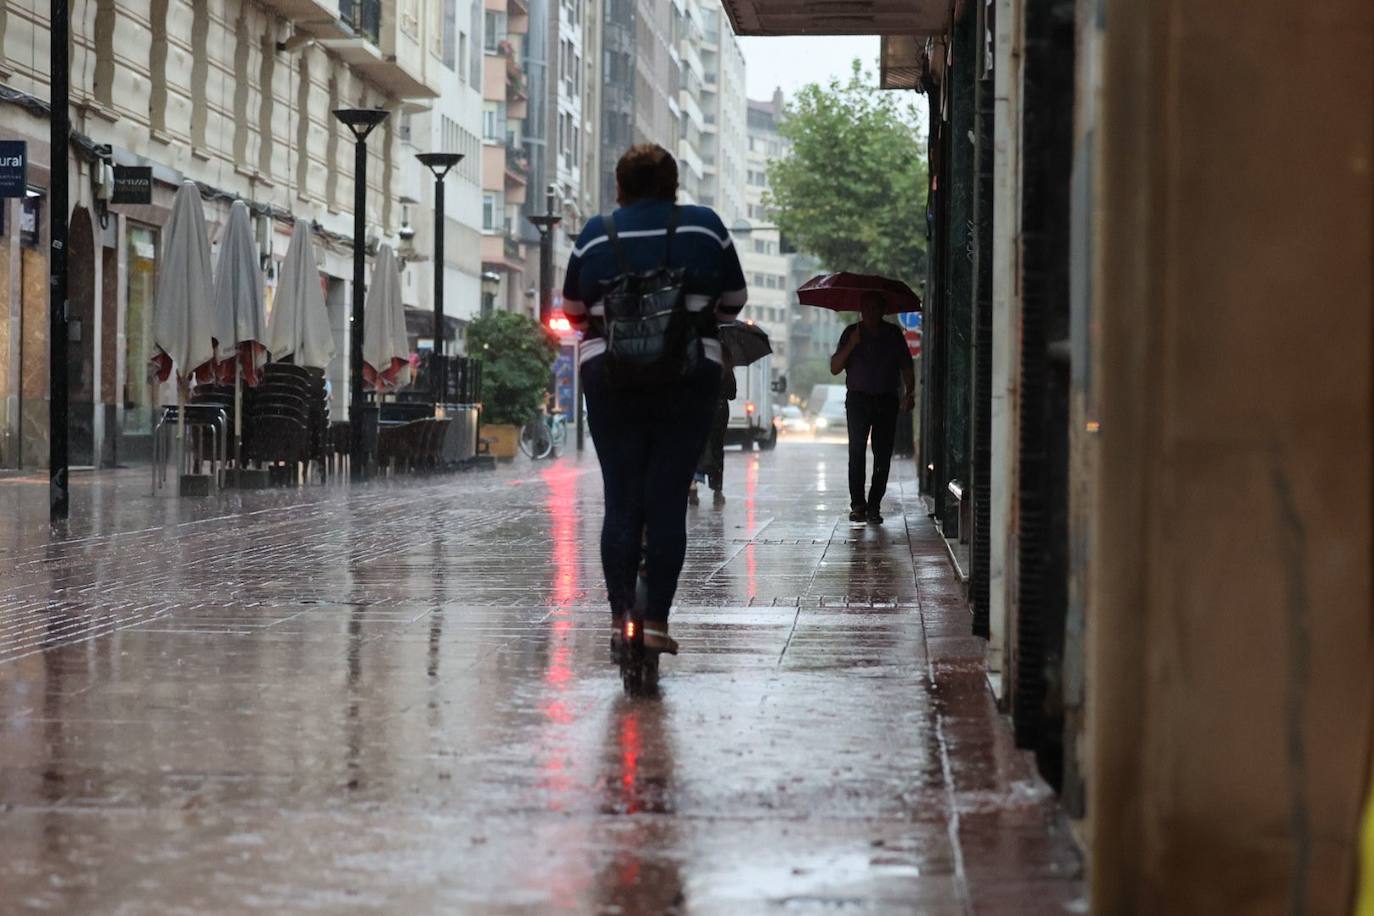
<point x="794" y="420"/>
<point x="829" y="420"/>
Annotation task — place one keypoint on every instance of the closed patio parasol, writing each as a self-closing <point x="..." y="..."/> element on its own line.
<point x="843" y="292"/>
<point x="386" y="349"/>
<point x="239" y="316"/>
<point x="183" y="326"/>
<point x="299" y="328"/>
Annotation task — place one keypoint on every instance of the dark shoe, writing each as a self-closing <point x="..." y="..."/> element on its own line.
<point x="656" y="638"/>
<point x="693" y="498"/>
<point x="718" y="499"/>
<point x="874" y="517"/>
<point x="859" y="515"/>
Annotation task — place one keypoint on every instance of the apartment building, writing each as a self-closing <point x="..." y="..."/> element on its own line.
<point x="568" y="130"/>
<point x="639" y="81"/>
<point x="452" y="125"/>
<point x="506" y="168"/>
<point x="237" y="95"/>
<point x="766" y="265"/>
<point x="724" y="109"/>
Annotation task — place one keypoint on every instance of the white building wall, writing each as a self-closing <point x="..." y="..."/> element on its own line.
<point x="452" y="125"/>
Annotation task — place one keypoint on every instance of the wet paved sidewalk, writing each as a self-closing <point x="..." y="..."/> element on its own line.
<point x="397" y="698"/>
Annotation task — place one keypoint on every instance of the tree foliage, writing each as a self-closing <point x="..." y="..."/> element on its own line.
<point x="517" y="356"/>
<point x="852" y="192"/>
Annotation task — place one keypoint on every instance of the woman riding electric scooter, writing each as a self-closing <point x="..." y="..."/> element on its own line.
<point x="649" y="425"/>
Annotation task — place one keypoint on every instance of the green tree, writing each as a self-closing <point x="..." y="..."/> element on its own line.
<point x="852" y="192"/>
<point x="517" y="356"/>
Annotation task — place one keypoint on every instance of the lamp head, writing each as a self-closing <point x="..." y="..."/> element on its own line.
<point x="361" y="120"/>
<point x="439" y="163"/>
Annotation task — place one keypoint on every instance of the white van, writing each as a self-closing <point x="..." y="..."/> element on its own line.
<point x="752" y="417"/>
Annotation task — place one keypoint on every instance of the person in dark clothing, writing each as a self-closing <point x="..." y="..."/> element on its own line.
<point x="648" y="441"/>
<point x="711" y="466"/>
<point x="875" y="357"/>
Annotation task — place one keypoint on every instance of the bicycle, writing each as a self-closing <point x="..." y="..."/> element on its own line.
<point x="544" y="435"/>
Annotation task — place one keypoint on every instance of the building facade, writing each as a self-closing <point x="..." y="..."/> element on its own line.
<point x="233" y="94"/>
<point x="767" y="267"/>
<point x="452" y="125"/>
<point x="506" y="168"/>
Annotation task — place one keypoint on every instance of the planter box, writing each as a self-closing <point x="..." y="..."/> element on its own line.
<point x="505" y="439"/>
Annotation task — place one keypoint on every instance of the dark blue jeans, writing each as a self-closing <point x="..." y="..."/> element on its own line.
<point x="648" y="443"/>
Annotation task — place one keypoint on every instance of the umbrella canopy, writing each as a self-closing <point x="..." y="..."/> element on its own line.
<point x="843" y="292"/>
<point x="300" y="324"/>
<point x="386" y="349"/>
<point x="183" y="327"/>
<point x="239" y="316"/>
<point x="745" y="341"/>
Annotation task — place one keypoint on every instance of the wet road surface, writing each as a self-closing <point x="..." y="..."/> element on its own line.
<point x="397" y="698"/>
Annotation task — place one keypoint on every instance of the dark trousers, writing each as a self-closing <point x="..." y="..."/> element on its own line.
<point x="865" y="415"/>
<point x="712" y="461"/>
<point x="648" y="443"/>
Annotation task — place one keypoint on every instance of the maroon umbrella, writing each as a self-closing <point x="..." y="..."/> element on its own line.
<point x="843" y="292"/>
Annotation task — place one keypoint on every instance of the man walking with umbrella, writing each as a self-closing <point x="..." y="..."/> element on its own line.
<point x="875" y="357"/>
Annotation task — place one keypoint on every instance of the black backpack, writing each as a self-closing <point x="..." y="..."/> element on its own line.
<point x="651" y="339"/>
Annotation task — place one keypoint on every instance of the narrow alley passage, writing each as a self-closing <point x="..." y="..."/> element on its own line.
<point x="398" y="698"/>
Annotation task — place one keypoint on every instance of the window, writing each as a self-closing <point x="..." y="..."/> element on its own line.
<point x="475" y="60"/>
<point x="491" y="32"/>
<point x="489" y="212"/>
<point x="450" y="34"/>
<point x="462" y="55"/>
<point x="490" y="129"/>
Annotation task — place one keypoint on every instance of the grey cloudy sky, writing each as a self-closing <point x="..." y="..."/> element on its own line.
<point x="793" y="62"/>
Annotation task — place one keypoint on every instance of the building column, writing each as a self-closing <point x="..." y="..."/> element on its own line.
<point x="1231" y="642"/>
<point x="957" y="313"/>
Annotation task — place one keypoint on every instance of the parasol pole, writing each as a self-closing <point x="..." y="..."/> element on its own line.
<point x="238" y="412"/>
<point x="181" y="430"/>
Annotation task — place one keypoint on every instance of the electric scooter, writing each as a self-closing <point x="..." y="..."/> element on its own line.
<point x="638" y="663"/>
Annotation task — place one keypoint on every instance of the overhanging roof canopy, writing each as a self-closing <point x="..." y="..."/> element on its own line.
<point x="838" y="17"/>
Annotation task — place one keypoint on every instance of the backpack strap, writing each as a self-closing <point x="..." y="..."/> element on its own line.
<point x="672" y="231"/>
<point x="614" y="238"/>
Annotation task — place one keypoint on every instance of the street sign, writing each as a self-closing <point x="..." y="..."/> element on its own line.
<point x="133" y="184"/>
<point x="14" y="168"/>
<point x="911" y="329"/>
<point x="565" y="377"/>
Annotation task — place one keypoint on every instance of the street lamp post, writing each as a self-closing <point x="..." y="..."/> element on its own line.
<point x="58" y="494"/>
<point x="439" y="164"/>
<point x="361" y="122"/>
<point x="545" y="223"/>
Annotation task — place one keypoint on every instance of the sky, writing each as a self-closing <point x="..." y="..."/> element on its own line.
<point x="792" y="62"/>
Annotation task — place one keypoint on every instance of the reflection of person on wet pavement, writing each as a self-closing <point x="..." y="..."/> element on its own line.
<point x="640" y="872"/>
<point x="711" y="466"/>
<point x="648" y="439"/>
<point x="874" y="355"/>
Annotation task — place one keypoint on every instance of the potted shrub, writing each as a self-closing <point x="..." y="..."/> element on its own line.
<point x="517" y="356"/>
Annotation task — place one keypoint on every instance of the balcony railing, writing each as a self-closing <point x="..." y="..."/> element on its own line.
<point x="517" y="160"/>
<point x="364" y="17"/>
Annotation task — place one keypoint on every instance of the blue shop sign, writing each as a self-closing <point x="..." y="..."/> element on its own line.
<point x="14" y="168"/>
